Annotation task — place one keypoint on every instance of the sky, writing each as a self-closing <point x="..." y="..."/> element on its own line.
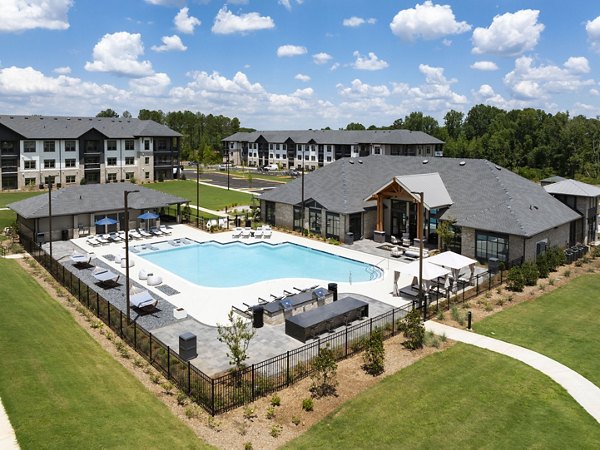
<point x="299" y="64"/>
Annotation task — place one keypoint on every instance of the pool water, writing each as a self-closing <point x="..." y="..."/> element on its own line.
<point x="213" y="264"/>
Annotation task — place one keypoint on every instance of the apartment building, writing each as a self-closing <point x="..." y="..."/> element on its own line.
<point x="317" y="148"/>
<point x="36" y="150"/>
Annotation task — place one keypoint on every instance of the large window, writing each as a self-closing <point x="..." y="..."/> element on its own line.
<point x="70" y="179"/>
<point x="333" y="225"/>
<point x="129" y="144"/>
<point x="49" y="164"/>
<point x="70" y="146"/>
<point x="111" y="161"/>
<point x="270" y="212"/>
<point x="49" y="146"/>
<point x="29" y="146"/>
<point x="70" y="162"/>
<point x="314" y="220"/>
<point x="490" y="245"/>
<point x="29" y="164"/>
<point x="111" y="144"/>
<point x="111" y="177"/>
<point x="129" y="160"/>
<point x="297" y="218"/>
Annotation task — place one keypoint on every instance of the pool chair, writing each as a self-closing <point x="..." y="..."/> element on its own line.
<point x="246" y="232"/>
<point x="115" y="237"/>
<point x="153" y="280"/>
<point x="105" y="277"/>
<point x="133" y="234"/>
<point x="237" y="232"/>
<point x="142" y="299"/>
<point x="92" y="241"/>
<point x="81" y="261"/>
<point x="143" y="233"/>
<point x="258" y="233"/>
<point x="102" y="240"/>
<point x="267" y="231"/>
<point x="156" y="231"/>
<point x="396" y="252"/>
<point x="223" y="223"/>
<point x="164" y="229"/>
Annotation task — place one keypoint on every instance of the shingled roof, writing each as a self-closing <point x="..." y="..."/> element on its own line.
<point x="485" y="196"/>
<point x="92" y="198"/>
<point x="61" y="127"/>
<point x="573" y="187"/>
<point x="340" y="137"/>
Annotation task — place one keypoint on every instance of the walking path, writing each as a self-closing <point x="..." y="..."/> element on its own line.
<point x="8" y="440"/>
<point x="580" y="388"/>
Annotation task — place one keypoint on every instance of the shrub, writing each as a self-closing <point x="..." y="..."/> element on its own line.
<point x="488" y="307"/>
<point x="276" y="431"/>
<point x="374" y="356"/>
<point x="213" y="423"/>
<point x="275" y="400"/>
<point x="515" y="281"/>
<point x="249" y="413"/>
<point x="500" y="302"/>
<point x="440" y="314"/>
<point x="248" y="446"/>
<point x="443" y="337"/>
<point x="567" y="273"/>
<point x="431" y="340"/>
<point x="324" y="379"/>
<point x="542" y="266"/>
<point x="458" y="315"/>
<point x="155" y="378"/>
<point x="551" y="281"/>
<point x="308" y="404"/>
<point x="270" y="413"/>
<point x="296" y="420"/>
<point x="191" y="412"/>
<point x="182" y="399"/>
<point x="530" y="273"/>
<point x="413" y="330"/>
<point x="556" y="257"/>
<point x="167" y="387"/>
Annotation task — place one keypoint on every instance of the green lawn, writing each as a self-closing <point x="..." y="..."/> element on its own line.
<point x="210" y="197"/>
<point x="7" y="218"/>
<point x="9" y="197"/>
<point x="563" y="324"/>
<point x="464" y="397"/>
<point x="62" y="390"/>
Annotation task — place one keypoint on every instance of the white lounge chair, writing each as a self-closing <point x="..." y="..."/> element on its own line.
<point x="142" y="299"/>
<point x="258" y="233"/>
<point x="92" y="241"/>
<point x="105" y="276"/>
<point x="80" y="260"/>
<point x="396" y="252"/>
<point x="165" y="229"/>
<point x="237" y="232"/>
<point x="102" y="240"/>
<point x="143" y="233"/>
<point x="133" y="234"/>
<point x="223" y="223"/>
<point x="156" y="231"/>
<point x="267" y="231"/>
<point x="114" y="237"/>
<point x="246" y="232"/>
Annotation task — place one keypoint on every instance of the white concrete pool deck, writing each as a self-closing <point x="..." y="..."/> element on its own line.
<point x="211" y="305"/>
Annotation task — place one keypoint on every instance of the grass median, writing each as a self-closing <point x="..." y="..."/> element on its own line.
<point x="62" y="390"/>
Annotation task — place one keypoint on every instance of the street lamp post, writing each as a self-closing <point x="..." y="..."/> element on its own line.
<point x="50" y="215"/>
<point x="227" y="169"/>
<point x="420" y="214"/>
<point x="302" y="211"/>
<point x="127" y="294"/>
<point x="197" y="192"/>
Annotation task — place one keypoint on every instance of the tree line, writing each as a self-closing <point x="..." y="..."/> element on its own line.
<point x="530" y="142"/>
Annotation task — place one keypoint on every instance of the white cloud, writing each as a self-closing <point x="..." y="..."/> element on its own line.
<point x="228" y="23"/>
<point x="184" y="22"/>
<point x="62" y="70"/>
<point x="592" y="27"/>
<point x="321" y="58"/>
<point x="291" y="50"/>
<point x="334" y="66"/>
<point x="530" y="82"/>
<point x="151" y="85"/>
<point x="487" y="66"/>
<point x="302" y="77"/>
<point x="170" y="44"/>
<point x="21" y="15"/>
<point x="446" y="42"/>
<point x="358" y="89"/>
<point x="358" y="21"/>
<point x="594" y="92"/>
<point x="215" y="82"/>
<point x="166" y="2"/>
<point x="577" y="64"/>
<point x="287" y="4"/>
<point x="427" y="21"/>
<point x="118" y="53"/>
<point x="303" y="93"/>
<point x="370" y="63"/>
<point x="509" y="34"/>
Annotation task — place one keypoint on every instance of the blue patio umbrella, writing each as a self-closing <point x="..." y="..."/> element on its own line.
<point x="148" y="216"/>
<point x="106" y="222"/>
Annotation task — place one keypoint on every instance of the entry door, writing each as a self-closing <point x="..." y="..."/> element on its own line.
<point x="355" y="225"/>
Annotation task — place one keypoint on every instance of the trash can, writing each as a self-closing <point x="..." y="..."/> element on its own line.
<point x="248" y="223"/>
<point x="187" y="346"/>
<point x="258" y="316"/>
<point x="493" y="265"/>
<point x="349" y="238"/>
<point x="332" y="287"/>
<point x="65" y="235"/>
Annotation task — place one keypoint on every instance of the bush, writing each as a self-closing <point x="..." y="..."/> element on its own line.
<point x="530" y="273"/>
<point x="270" y="413"/>
<point x="296" y="420"/>
<point x="556" y="258"/>
<point x="515" y="281"/>
<point x="276" y="430"/>
<point x="325" y="376"/>
<point x="542" y="266"/>
<point x="374" y="356"/>
<point x="431" y="340"/>
<point x="275" y="400"/>
<point x="458" y="315"/>
<point x="308" y="404"/>
<point x="413" y="330"/>
<point x="181" y="399"/>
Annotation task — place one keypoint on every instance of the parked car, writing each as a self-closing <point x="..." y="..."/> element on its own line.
<point x="293" y="173"/>
<point x="224" y="166"/>
<point x="271" y="168"/>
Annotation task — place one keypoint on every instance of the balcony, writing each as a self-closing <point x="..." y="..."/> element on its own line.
<point x="92" y="166"/>
<point x="9" y="169"/>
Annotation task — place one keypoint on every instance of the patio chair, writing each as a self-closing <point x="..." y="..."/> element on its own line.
<point x="156" y="231"/>
<point x="143" y="233"/>
<point x="237" y="232"/>
<point x="258" y="233"/>
<point x="246" y="232"/>
<point x="115" y="237"/>
<point x="134" y="235"/>
<point x="102" y="240"/>
<point x="267" y="231"/>
<point x="105" y="277"/>
<point x="394" y="240"/>
<point x="92" y="241"/>
<point x="80" y="260"/>
<point x="142" y="299"/>
<point x="164" y="229"/>
<point x="396" y="252"/>
<point x="223" y="222"/>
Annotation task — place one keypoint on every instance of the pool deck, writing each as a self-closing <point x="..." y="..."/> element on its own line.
<point x="211" y="305"/>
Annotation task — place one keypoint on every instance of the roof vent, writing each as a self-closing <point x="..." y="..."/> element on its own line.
<point x="360" y="161"/>
<point x="498" y="167"/>
<point x="351" y="161"/>
<point x="462" y="163"/>
<point x="425" y="161"/>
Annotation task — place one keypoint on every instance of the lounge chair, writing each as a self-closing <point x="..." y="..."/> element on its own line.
<point x="92" y="241"/>
<point x="164" y="229"/>
<point x="396" y="252"/>
<point x="142" y="299"/>
<point x="143" y="233"/>
<point x="80" y="260"/>
<point x="258" y="233"/>
<point x="223" y="223"/>
<point x="267" y="231"/>
<point x="237" y="232"/>
<point x="156" y="231"/>
<point x="102" y="240"/>
<point x="246" y="232"/>
<point x="105" y="277"/>
<point x="114" y="237"/>
<point x="395" y="241"/>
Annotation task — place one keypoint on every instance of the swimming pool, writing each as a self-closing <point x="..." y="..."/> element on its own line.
<point x="234" y="264"/>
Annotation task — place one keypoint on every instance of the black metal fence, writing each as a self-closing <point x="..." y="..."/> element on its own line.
<point x="228" y="391"/>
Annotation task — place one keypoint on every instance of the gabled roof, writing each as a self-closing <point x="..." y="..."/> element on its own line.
<point x="484" y="196"/>
<point x="337" y="137"/>
<point x="573" y="187"/>
<point x="92" y="198"/>
<point x="60" y="127"/>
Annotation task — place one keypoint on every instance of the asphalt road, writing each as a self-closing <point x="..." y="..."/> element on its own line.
<point x="236" y="181"/>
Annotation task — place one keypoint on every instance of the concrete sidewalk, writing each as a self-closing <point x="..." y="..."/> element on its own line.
<point x="8" y="440"/>
<point x="581" y="389"/>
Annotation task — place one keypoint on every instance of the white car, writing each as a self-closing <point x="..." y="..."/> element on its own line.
<point x="271" y="167"/>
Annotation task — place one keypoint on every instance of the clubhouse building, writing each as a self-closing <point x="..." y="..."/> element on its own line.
<point x="495" y="213"/>
<point x="36" y="150"/>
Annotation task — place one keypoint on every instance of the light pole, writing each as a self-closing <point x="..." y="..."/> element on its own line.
<point x="302" y="211"/>
<point x="127" y="294"/>
<point x="422" y="299"/>
<point x="197" y="191"/>
<point x="50" y="215"/>
<point x="227" y="169"/>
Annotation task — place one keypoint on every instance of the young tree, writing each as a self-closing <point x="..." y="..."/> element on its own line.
<point x="374" y="356"/>
<point x="325" y="376"/>
<point x="237" y="336"/>
<point x="413" y="330"/>
<point x="445" y="234"/>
